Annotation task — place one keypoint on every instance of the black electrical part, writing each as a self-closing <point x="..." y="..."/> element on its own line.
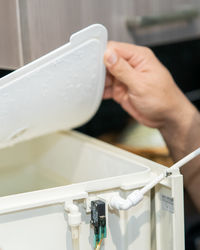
<point x="98" y="220"/>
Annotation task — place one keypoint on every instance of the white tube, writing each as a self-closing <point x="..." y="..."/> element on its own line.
<point x="119" y="203"/>
<point x="74" y="221"/>
<point x="75" y="240"/>
<point x="185" y="160"/>
<point x="71" y="208"/>
<point x="152" y="184"/>
<point x="116" y="202"/>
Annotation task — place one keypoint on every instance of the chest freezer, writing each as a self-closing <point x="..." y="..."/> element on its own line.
<point x="55" y="186"/>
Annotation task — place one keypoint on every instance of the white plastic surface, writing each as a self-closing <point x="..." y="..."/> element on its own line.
<point x="63" y="169"/>
<point x="39" y="178"/>
<point x="60" y="90"/>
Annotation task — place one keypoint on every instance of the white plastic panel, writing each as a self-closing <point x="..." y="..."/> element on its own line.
<point x="64" y="159"/>
<point x="38" y="176"/>
<point x="61" y="90"/>
<point x="32" y="214"/>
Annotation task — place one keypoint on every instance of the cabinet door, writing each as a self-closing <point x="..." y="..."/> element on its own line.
<point x="30" y="29"/>
<point x="46" y="25"/>
<point x="115" y="14"/>
<point x="10" y="39"/>
<point x="179" y="20"/>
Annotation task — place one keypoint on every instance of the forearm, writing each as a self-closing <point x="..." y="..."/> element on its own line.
<point x="182" y="135"/>
<point x="147" y="91"/>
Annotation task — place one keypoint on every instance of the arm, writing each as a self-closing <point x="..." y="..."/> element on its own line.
<point x="146" y="90"/>
<point x="182" y="136"/>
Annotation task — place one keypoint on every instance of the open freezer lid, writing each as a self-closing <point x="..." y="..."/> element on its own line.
<point x="61" y="90"/>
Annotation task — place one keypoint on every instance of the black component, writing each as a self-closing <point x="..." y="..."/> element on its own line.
<point x="98" y="220"/>
<point x="98" y="213"/>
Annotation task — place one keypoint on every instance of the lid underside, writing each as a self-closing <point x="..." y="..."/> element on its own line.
<point x="59" y="91"/>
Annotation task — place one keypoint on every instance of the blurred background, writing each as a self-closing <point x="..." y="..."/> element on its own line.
<point x="30" y="29"/>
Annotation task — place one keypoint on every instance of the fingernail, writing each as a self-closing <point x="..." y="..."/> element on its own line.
<point x="111" y="58"/>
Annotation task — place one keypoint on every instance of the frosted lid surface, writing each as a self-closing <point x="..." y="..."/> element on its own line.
<point x="59" y="91"/>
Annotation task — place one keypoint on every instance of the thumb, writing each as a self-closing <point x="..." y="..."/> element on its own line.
<point x="120" y="68"/>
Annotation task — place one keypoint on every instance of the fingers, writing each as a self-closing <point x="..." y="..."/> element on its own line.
<point x="109" y="79"/>
<point x="124" y="63"/>
<point x="124" y="50"/>
<point x="120" y="68"/>
<point x="108" y="93"/>
<point x="134" y="54"/>
<point x="117" y="91"/>
<point x="110" y="86"/>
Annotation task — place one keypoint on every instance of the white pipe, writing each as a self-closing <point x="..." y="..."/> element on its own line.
<point x="116" y="202"/>
<point x="74" y="221"/>
<point x="71" y="208"/>
<point x="185" y="160"/>
<point x="75" y="244"/>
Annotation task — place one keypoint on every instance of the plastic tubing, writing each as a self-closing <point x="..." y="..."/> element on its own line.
<point x="74" y="221"/>
<point x="116" y="202"/>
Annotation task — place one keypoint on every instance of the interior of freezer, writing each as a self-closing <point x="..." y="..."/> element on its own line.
<point x="58" y="160"/>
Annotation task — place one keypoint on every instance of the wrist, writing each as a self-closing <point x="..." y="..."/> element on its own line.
<point x="180" y="128"/>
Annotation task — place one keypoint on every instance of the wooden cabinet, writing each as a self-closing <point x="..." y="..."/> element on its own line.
<point x="30" y="29"/>
<point x="10" y="37"/>
<point x="176" y="20"/>
<point x="46" y="25"/>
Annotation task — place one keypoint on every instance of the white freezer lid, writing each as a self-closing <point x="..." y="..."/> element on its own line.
<point x="59" y="91"/>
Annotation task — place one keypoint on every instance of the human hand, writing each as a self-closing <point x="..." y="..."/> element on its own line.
<point x="142" y="85"/>
<point x="146" y="90"/>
